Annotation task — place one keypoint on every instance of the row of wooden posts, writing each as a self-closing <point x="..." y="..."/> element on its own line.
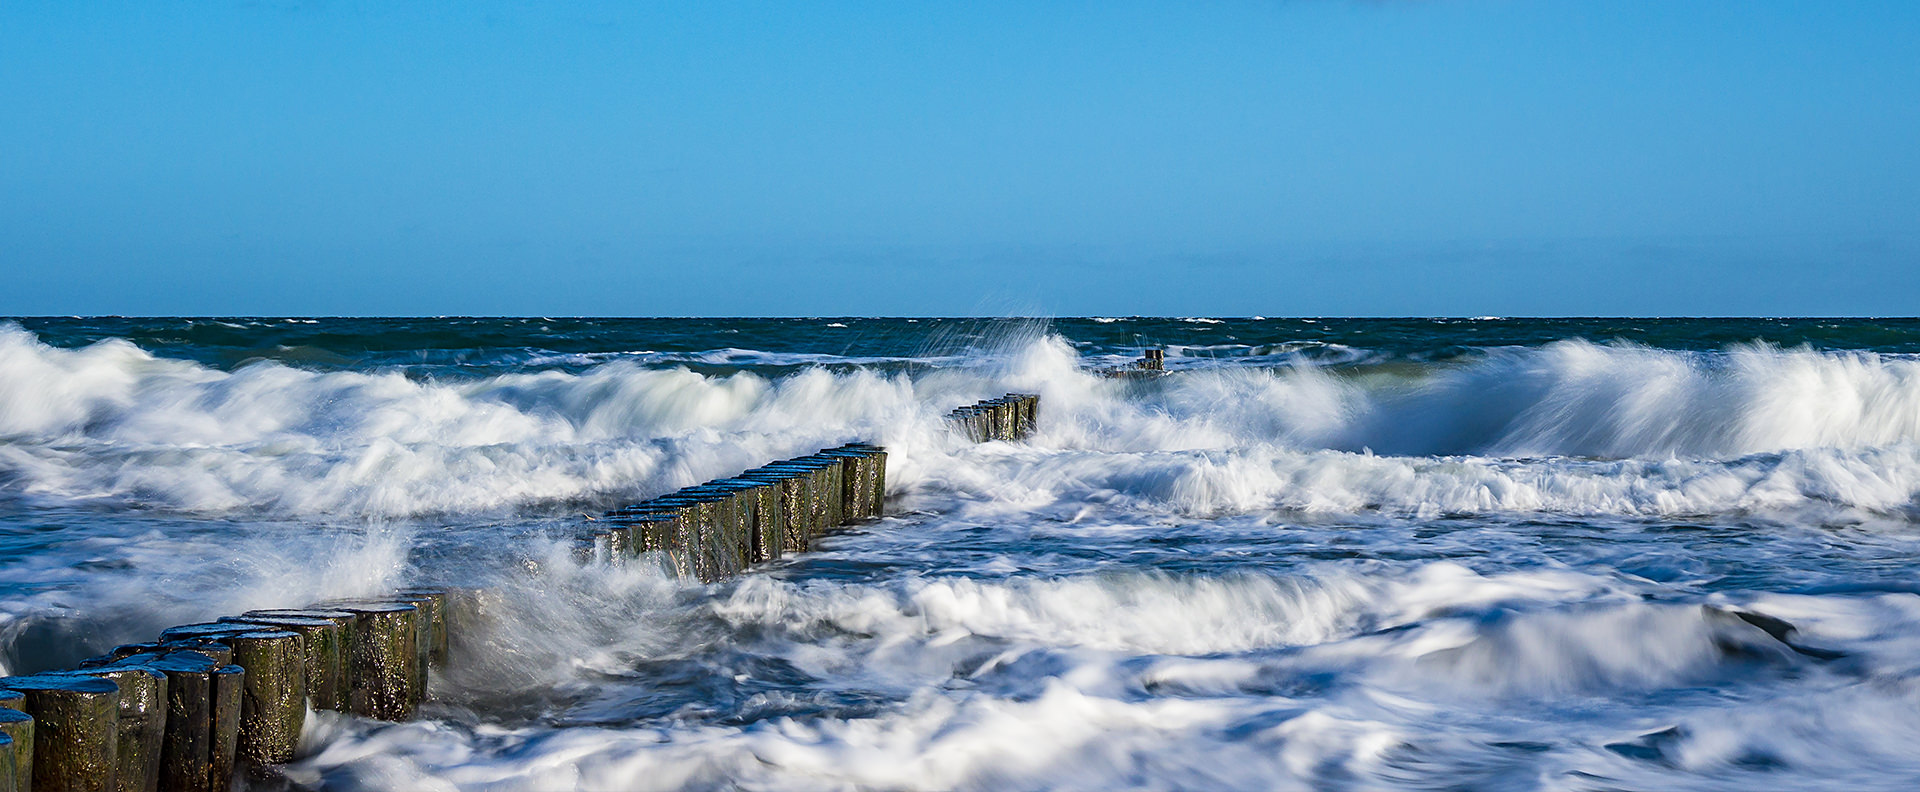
<point x="1010" y="417"/>
<point x="185" y="712"/>
<point x="718" y="529"/>
<point x="1152" y="363"/>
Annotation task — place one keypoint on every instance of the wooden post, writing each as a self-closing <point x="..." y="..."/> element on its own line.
<point x="324" y="645"/>
<point x="202" y="722"/>
<point x="759" y="503"/>
<point x="386" y="659"/>
<point x="142" y="724"/>
<point x="470" y="613"/>
<point x="611" y="543"/>
<point x="229" y="690"/>
<point x="273" y="707"/>
<point x="836" y="489"/>
<point x="801" y="486"/>
<point x="789" y="490"/>
<point x="718" y="556"/>
<point x="17" y="726"/>
<point x="670" y="526"/>
<point x="879" y="456"/>
<point x="658" y="530"/>
<point x="274" y="693"/>
<point x="822" y="493"/>
<point x="9" y="780"/>
<point x="438" y="599"/>
<point x="735" y="513"/>
<point x="853" y="485"/>
<point x="76" y="731"/>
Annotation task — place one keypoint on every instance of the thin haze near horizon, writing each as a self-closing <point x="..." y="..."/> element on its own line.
<point x="724" y="158"/>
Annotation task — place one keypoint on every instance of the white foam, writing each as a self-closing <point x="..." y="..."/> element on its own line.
<point x="1572" y="427"/>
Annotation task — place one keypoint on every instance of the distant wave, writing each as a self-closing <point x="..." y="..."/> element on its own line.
<point x="1571" y="427"/>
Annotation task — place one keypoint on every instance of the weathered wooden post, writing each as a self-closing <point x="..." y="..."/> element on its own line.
<point x="811" y="519"/>
<point x="324" y="645"/>
<point x="438" y="599"/>
<point x="142" y="724"/>
<point x="386" y="659"/>
<point x="836" y="469"/>
<point x="761" y="502"/>
<point x="17" y="726"/>
<point x="667" y="525"/>
<point x="739" y="516"/>
<point x="721" y="545"/>
<point x="610" y="544"/>
<point x="201" y="735"/>
<point x="854" y="486"/>
<point x="879" y="456"/>
<point x="8" y="779"/>
<point x="832" y="509"/>
<point x="789" y="490"/>
<point x="273" y="704"/>
<point x="76" y="731"/>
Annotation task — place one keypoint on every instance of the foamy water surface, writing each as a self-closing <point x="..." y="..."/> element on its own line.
<point x="1328" y="554"/>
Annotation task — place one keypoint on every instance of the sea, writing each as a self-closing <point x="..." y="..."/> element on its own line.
<point x="1314" y="554"/>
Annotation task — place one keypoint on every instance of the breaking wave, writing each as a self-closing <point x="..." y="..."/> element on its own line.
<point x="1571" y="427"/>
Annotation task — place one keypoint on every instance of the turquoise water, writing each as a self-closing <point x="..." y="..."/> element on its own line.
<point x="1318" y="554"/>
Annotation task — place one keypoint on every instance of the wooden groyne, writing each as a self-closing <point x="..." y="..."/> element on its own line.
<point x="186" y="712"/>
<point x="1152" y="363"/>
<point x="1010" y="417"/>
<point x="718" y="529"/>
<point x="204" y="703"/>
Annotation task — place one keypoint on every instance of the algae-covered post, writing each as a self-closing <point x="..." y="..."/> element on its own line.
<point x="434" y="601"/>
<point x="8" y="780"/>
<point x="142" y="724"/>
<point x="17" y="726"/>
<point x="76" y="730"/>
<point x="386" y="659"/>
<point x="274" y="694"/>
<point x="274" y="705"/>
<point x="323" y="646"/>
<point x="1010" y="417"/>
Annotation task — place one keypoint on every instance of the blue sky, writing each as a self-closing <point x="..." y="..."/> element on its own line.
<point x="1316" y="157"/>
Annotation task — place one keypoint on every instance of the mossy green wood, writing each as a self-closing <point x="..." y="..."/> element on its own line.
<point x="76" y="731"/>
<point x="17" y="725"/>
<point x="273" y="705"/>
<point x="427" y="606"/>
<point x="682" y="541"/>
<point x="142" y="723"/>
<point x="768" y="523"/>
<point x="726" y="541"/>
<point x="386" y="682"/>
<point x="706" y="530"/>
<point x="440" y="599"/>
<point x="9" y="778"/>
<point x="229" y="691"/>
<point x="324" y="647"/>
<point x="273" y="702"/>
<point x="187" y="742"/>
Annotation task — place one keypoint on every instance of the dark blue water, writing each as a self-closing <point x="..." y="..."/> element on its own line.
<point x="1319" y="554"/>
